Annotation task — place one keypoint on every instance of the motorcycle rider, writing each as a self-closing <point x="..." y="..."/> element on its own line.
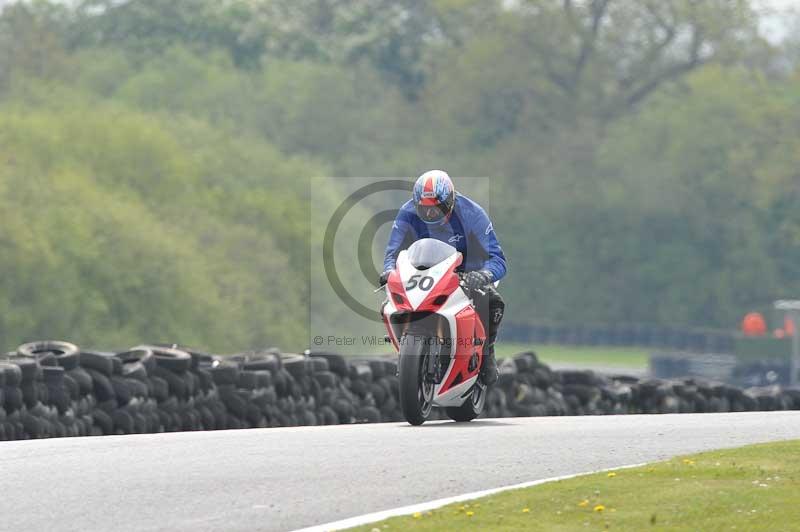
<point x="437" y="211"/>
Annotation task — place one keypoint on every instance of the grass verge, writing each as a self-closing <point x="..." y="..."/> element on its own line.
<point x="749" y="488"/>
<point x="629" y="357"/>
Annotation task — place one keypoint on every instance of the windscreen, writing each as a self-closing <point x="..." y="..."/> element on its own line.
<point x="429" y="252"/>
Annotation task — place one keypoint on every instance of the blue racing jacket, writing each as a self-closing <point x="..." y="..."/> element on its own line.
<point x="468" y="229"/>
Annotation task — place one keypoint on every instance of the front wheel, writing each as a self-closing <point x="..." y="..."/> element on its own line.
<point x="416" y="391"/>
<point x="472" y="407"/>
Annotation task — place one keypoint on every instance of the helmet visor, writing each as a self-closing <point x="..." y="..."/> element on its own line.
<point x="431" y="213"/>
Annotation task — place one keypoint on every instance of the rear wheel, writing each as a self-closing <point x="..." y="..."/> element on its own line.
<point x="472" y="407"/>
<point x="416" y="391"/>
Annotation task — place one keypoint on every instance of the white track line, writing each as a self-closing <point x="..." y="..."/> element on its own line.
<point x="438" y="503"/>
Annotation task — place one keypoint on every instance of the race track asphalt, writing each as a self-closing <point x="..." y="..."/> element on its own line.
<point x="283" y="479"/>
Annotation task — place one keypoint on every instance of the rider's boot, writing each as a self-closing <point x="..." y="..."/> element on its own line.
<point x="489" y="372"/>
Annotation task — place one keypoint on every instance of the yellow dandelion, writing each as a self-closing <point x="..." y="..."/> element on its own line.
<point x="599" y="508"/>
<point x="461" y="508"/>
<point x="417" y="515"/>
<point x="686" y="461"/>
<point x="470" y="514"/>
<point x="584" y="503"/>
<point x="612" y="475"/>
<point x="526" y="510"/>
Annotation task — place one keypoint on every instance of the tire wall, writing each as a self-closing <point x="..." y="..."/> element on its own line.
<point x="54" y="389"/>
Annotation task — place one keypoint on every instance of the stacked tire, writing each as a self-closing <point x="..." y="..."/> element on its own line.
<point x="55" y="389"/>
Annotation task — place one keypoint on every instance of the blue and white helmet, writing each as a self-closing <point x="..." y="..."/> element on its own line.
<point x="434" y="196"/>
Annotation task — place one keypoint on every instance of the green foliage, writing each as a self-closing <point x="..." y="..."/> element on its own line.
<point x="155" y="156"/>
<point x="137" y="228"/>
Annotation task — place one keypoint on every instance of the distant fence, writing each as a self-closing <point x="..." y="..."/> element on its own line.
<point x="621" y="335"/>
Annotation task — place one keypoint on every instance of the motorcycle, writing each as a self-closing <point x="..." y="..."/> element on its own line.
<point x="433" y="325"/>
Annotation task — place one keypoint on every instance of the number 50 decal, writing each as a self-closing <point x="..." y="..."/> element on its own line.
<point x="417" y="281"/>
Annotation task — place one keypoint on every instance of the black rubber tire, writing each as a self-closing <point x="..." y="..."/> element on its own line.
<point x="336" y="362"/>
<point x="280" y="382"/>
<point x="270" y="361"/>
<point x="72" y="388"/>
<point x="53" y="374"/>
<point x="326" y="379"/>
<point x="160" y="388"/>
<point x="526" y="361"/>
<point x="369" y="414"/>
<point x="361" y="371"/>
<point x="586" y="378"/>
<point x="123" y="421"/>
<point x="29" y="367"/>
<point x="65" y="353"/>
<point x="378" y="368"/>
<point x="83" y="378"/>
<point x="58" y="396"/>
<point x="295" y="365"/>
<point x="142" y="356"/>
<point x="359" y="388"/>
<point x="327" y="416"/>
<point x="177" y="386"/>
<point x="233" y="401"/>
<point x="198" y="357"/>
<point x="137" y="387"/>
<point x="103" y="389"/>
<point x="31" y="393"/>
<point x="12" y="374"/>
<point x="318" y="364"/>
<point x="248" y="380"/>
<point x="33" y="426"/>
<point x="225" y="373"/>
<point x="191" y="381"/>
<point x="264" y="378"/>
<point x="169" y="358"/>
<point x="47" y="359"/>
<point x="378" y="393"/>
<point x="204" y="380"/>
<point x="103" y="421"/>
<point x="13" y="398"/>
<point x="121" y="390"/>
<point x="98" y="361"/>
<point x="410" y="360"/>
<point x="344" y="410"/>
<point x="134" y="370"/>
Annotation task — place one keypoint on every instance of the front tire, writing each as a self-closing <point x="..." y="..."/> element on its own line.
<point x="416" y="394"/>
<point x="472" y="407"/>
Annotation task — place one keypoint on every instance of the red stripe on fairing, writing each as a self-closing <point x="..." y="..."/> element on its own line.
<point x="467" y="321"/>
<point x="396" y="286"/>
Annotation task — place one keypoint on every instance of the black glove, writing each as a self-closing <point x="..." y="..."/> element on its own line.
<point x="478" y="279"/>
<point x="384" y="277"/>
